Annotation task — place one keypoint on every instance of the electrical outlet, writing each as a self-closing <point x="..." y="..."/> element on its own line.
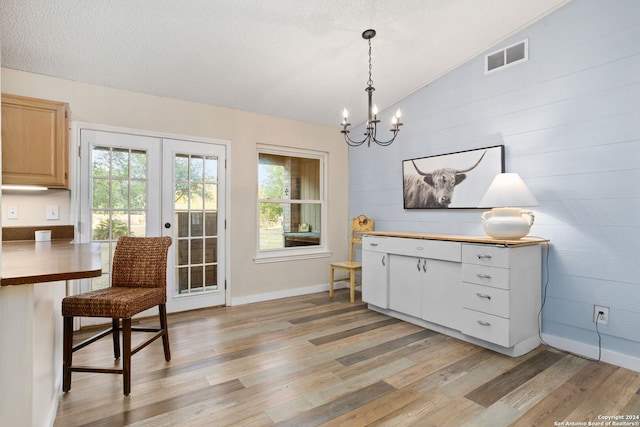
<point x="12" y="212"/>
<point x="601" y="314"/>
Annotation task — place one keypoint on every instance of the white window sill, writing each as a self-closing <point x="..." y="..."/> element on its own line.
<point x="284" y="256"/>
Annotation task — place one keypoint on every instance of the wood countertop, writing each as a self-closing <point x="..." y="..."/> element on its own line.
<point x="459" y="238"/>
<point x="25" y="262"/>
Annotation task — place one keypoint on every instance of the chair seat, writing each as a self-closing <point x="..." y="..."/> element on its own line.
<point x="120" y="302"/>
<point x="347" y="264"/>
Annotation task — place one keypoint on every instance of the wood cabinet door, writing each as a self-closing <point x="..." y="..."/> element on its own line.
<point x="34" y="142"/>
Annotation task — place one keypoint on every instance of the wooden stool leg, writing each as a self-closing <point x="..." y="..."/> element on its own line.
<point x="126" y="359"/>
<point x="115" y="325"/>
<point x="352" y="285"/>
<point x="331" y="283"/>
<point x="67" y="352"/>
<point x="165" y="336"/>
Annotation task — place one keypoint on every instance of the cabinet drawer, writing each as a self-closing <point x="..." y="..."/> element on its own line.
<point x="486" y="327"/>
<point x="485" y="299"/>
<point x="376" y="244"/>
<point x="433" y="249"/>
<point x="486" y="276"/>
<point x="488" y="255"/>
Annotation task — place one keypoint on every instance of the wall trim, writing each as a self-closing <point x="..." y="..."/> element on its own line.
<point x="268" y="296"/>
<point x="591" y="352"/>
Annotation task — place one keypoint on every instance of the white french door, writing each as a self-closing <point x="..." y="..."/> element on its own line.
<point x="139" y="185"/>
<point x="193" y="215"/>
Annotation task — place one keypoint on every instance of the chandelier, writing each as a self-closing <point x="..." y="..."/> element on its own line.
<point x="372" y="118"/>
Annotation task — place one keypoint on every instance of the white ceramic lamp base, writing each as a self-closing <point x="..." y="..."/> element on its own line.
<point x="507" y="223"/>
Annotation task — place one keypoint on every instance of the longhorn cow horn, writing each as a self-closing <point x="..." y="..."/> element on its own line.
<point x="457" y="171"/>
<point x="472" y="167"/>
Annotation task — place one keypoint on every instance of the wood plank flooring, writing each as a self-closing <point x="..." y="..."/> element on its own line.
<point x="312" y="361"/>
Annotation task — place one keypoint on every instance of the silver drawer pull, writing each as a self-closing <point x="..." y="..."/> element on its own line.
<point x="373" y="244"/>
<point x="419" y="248"/>
<point x="483" y="295"/>
<point x="484" y="256"/>
<point x="480" y="322"/>
<point x="483" y="276"/>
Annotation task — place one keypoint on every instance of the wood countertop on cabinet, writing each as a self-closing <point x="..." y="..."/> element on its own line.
<point x="460" y="238"/>
<point x="25" y="262"/>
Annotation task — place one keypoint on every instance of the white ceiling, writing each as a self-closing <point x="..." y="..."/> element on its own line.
<point x="299" y="59"/>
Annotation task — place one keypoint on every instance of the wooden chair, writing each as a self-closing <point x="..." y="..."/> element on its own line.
<point x="359" y="225"/>
<point x="138" y="282"/>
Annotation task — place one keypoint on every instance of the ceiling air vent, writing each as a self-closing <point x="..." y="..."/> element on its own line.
<point x="508" y="56"/>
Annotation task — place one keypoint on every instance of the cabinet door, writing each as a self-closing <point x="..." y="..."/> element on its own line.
<point x="34" y="142"/>
<point x="375" y="278"/>
<point x="441" y="302"/>
<point x="406" y="277"/>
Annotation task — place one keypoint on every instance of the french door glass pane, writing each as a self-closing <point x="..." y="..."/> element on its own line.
<point x="118" y="200"/>
<point x="196" y="225"/>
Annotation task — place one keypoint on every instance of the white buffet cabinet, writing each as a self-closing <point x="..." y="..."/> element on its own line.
<point x="478" y="289"/>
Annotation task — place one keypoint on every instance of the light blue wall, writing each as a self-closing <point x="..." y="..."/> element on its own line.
<point x="570" y="122"/>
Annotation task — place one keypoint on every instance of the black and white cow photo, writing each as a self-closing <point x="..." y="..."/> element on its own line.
<point x="455" y="180"/>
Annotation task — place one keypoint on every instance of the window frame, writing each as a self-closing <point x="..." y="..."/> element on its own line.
<point x="297" y="252"/>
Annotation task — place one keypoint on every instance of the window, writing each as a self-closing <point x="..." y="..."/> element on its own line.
<point x="291" y="203"/>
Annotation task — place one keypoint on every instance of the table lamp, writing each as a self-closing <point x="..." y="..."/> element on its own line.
<point x="507" y="194"/>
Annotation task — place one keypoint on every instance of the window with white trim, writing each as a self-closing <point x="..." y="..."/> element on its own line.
<point x="291" y="203"/>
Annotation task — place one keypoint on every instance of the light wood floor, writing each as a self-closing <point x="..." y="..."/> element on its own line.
<point x="308" y="361"/>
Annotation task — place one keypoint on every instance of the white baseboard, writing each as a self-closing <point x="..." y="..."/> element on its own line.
<point x="268" y="296"/>
<point x="591" y="351"/>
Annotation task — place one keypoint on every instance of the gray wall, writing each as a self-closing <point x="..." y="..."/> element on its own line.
<point x="570" y="122"/>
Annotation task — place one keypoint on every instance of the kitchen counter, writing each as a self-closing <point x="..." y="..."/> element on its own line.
<point x="25" y="262"/>
<point x="525" y="241"/>
<point x="31" y="332"/>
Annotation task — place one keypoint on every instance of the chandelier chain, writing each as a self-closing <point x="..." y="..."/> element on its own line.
<point x="370" y="81"/>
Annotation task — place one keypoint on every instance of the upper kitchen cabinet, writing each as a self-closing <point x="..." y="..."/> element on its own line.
<point x="35" y="142"/>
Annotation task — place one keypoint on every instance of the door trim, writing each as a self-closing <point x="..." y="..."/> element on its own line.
<point x="74" y="181"/>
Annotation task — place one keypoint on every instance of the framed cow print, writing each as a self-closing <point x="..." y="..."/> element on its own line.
<point x="451" y="181"/>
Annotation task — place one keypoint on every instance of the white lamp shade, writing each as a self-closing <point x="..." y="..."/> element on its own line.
<point x="508" y="190"/>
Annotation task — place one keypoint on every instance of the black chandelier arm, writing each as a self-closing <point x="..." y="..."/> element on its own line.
<point x="351" y="142"/>
<point x="389" y="142"/>
<point x="370" y="136"/>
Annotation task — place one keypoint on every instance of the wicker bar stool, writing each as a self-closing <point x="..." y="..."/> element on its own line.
<point x="138" y="282"/>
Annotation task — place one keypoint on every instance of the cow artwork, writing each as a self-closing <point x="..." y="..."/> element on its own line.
<point x="433" y="189"/>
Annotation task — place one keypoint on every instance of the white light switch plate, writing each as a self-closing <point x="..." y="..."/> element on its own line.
<point x="53" y="212"/>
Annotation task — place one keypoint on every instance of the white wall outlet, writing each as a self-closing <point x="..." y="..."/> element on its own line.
<point x="12" y="212"/>
<point x="601" y="314"/>
<point x="53" y="212"/>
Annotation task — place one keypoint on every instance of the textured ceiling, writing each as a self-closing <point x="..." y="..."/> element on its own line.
<point x="299" y="59"/>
